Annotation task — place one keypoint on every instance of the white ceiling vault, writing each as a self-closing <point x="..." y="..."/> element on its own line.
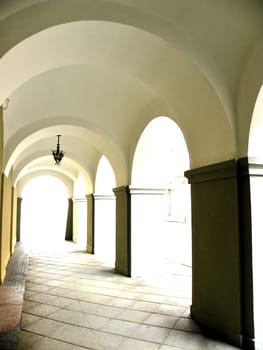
<point x="97" y="72"/>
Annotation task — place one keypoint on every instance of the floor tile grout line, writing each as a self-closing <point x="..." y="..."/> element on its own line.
<point x="92" y="329"/>
<point x="112" y="297"/>
<point x="62" y="341"/>
<point x="137" y="285"/>
<point x="49" y="317"/>
<point x="109" y="295"/>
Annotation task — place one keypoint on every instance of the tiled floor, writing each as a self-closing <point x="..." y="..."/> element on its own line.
<point x="73" y="301"/>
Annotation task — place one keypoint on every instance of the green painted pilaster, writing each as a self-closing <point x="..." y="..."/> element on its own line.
<point x="251" y="223"/>
<point x="246" y="254"/>
<point x="18" y="219"/>
<point x="216" y="260"/>
<point x="90" y="224"/>
<point x="69" y="226"/>
<point x="123" y="230"/>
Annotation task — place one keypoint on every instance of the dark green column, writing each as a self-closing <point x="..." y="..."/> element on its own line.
<point x="18" y="219"/>
<point x="245" y="176"/>
<point x="69" y="226"/>
<point x="90" y="224"/>
<point x="217" y="280"/>
<point x="123" y="230"/>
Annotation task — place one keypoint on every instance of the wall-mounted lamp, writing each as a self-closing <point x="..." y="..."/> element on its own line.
<point x="58" y="154"/>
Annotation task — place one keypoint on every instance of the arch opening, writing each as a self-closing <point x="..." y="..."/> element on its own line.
<point x="44" y="213"/>
<point x="80" y="212"/>
<point x="161" y="202"/>
<point x="105" y="225"/>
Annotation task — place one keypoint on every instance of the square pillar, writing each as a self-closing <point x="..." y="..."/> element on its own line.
<point x="216" y="250"/>
<point x="123" y="230"/>
<point x="90" y="224"/>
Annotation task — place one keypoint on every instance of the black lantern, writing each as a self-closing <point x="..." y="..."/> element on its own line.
<point x="58" y="154"/>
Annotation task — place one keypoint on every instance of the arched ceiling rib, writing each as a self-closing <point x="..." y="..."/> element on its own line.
<point x="80" y="140"/>
<point x="213" y="44"/>
<point x="114" y="87"/>
<point x="40" y="172"/>
<point x="187" y="56"/>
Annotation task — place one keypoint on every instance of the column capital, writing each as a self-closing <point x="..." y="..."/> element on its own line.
<point x="146" y="191"/>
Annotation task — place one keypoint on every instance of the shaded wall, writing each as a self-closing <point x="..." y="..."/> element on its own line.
<point x="14" y="220"/>
<point x="6" y="223"/>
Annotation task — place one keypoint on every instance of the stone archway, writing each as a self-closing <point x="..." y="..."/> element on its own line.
<point x="160" y="200"/>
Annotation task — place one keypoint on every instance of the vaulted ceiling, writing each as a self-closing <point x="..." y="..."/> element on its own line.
<point x="97" y="72"/>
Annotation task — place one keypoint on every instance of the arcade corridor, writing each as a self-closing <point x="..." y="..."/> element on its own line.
<point x="74" y="301"/>
<point x="153" y="110"/>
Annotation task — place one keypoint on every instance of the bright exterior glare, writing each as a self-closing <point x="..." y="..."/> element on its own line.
<point x="161" y="232"/>
<point x="105" y="208"/>
<point x="44" y="212"/>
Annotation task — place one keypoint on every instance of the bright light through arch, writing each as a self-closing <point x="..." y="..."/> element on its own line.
<point x="44" y="212"/>
<point x="161" y="204"/>
<point x="161" y="145"/>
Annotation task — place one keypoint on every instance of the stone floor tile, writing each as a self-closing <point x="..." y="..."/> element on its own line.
<point x="185" y="340"/>
<point x="88" y="338"/>
<point x="42" y="310"/>
<point x="28" y="340"/>
<point x="186" y="324"/>
<point x="129" y="295"/>
<point x="121" y="302"/>
<point x="150" y="333"/>
<point x="52" y="344"/>
<point x="104" y="341"/>
<point x="161" y="320"/>
<point x="134" y="344"/>
<point x="80" y="319"/>
<point x="44" y="326"/>
<point x="95" y="309"/>
<point x="72" y="334"/>
<point x="171" y="310"/>
<point x="37" y="287"/>
<point x="27" y="319"/>
<point x="120" y="327"/>
<point x="100" y="299"/>
<point x="146" y="306"/>
<point x="36" y="279"/>
<point x="155" y="298"/>
<point x="27" y="305"/>
<point x="211" y="344"/>
<point x="28" y="294"/>
<point x="55" y="283"/>
<point x="70" y="279"/>
<point x="51" y="300"/>
<point x="133" y="315"/>
<point x="177" y="301"/>
<point x="168" y="347"/>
